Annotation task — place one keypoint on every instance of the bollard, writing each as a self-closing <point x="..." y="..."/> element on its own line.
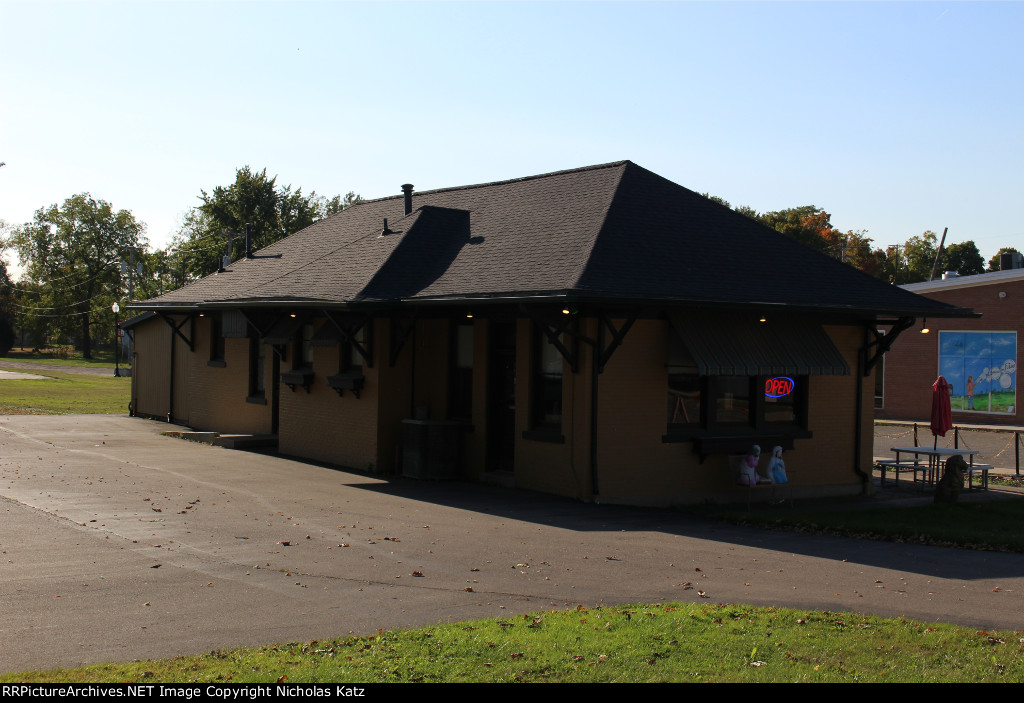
<point x="915" y="435"/>
<point x="956" y="437"/>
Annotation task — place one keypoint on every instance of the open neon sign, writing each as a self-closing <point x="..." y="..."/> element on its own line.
<point x="778" y="387"/>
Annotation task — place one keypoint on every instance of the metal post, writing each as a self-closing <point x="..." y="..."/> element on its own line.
<point x="956" y="437"/>
<point x="1016" y="452"/>
<point x="117" y="342"/>
<point x="915" y="435"/>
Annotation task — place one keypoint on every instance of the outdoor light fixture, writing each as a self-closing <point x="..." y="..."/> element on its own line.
<point x="469" y="316"/>
<point x="924" y="328"/>
<point x="763" y="319"/>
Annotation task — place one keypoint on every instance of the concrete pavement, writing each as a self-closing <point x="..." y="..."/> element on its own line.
<point x="117" y="543"/>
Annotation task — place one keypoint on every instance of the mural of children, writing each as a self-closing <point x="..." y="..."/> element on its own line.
<point x="970" y="392"/>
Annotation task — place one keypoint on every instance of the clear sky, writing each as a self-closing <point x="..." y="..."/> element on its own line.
<point x="894" y="117"/>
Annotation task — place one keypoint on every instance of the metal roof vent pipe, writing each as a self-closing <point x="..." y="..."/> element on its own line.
<point x="407" y="191"/>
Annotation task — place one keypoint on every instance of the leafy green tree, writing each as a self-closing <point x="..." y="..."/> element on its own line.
<point x="73" y="253"/>
<point x="7" y="309"/>
<point x="807" y="224"/>
<point x="963" y="257"/>
<point x="993" y="263"/>
<point x="273" y="211"/>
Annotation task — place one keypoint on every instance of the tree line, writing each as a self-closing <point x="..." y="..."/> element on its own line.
<point x="911" y="261"/>
<point x="81" y="256"/>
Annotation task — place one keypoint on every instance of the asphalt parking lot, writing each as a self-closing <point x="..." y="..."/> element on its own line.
<point x="117" y="543"/>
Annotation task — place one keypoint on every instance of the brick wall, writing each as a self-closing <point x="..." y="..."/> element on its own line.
<point x="912" y="365"/>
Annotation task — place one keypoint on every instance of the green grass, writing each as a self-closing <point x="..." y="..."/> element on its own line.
<point x="994" y="524"/>
<point x="64" y="393"/>
<point x="645" y="643"/>
<point x="61" y="357"/>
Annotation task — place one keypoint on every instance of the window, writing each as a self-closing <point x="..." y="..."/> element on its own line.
<point x="546" y="407"/>
<point x="460" y="401"/>
<point x="257" y="368"/>
<point x="301" y="373"/>
<point x="350" y="365"/>
<point x="304" y="348"/>
<point x="707" y="405"/>
<point x="216" y="342"/>
<point x="350" y="360"/>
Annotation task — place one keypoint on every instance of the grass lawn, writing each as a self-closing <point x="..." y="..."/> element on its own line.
<point x="676" y="642"/>
<point x="101" y="359"/>
<point x="992" y="524"/>
<point x="64" y="393"/>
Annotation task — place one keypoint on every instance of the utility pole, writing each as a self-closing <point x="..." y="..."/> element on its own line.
<point x="131" y="268"/>
<point x="938" y="253"/>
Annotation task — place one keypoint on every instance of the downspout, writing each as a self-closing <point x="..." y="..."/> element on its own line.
<point x="858" y="427"/>
<point x="170" y="375"/>
<point x="595" y="362"/>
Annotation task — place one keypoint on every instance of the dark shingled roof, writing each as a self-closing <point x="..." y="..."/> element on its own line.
<point x="614" y="232"/>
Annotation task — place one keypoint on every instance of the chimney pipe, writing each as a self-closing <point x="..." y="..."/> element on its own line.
<point x="407" y="190"/>
<point x="248" y="240"/>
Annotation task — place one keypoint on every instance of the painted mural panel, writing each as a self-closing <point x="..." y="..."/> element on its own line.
<point x="981" y="369"/>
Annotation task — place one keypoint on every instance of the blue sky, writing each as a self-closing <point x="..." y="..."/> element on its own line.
<point x="894" y="117"/>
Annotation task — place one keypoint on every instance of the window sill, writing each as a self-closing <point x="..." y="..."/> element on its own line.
<point x="545" y="435"/>
<point x="740" y="443"/>
<point x="256" y="399"/>
<point x="218" y="363"/>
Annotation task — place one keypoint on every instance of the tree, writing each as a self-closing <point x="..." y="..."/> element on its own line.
<point x="807" y="224"/>
<point x="273" y="211"/>
<point x="993" y="263"/>
<point x="73" y="253"/>
<point x="7" y="308"/>
<point x="964" y="258"/>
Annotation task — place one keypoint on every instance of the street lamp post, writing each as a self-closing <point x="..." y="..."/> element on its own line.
<point x="117" y="340"/>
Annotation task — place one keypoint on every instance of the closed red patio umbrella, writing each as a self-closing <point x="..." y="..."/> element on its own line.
<point x="942" y="415"/>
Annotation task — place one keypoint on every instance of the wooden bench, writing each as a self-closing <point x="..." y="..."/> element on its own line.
<point x="982" y="469"/>
<point x="900" y="466"/>
<point x="914" y="467"/>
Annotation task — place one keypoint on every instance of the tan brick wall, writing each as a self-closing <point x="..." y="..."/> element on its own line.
<point x="635" y="465"/>
<point x="150" y="373"/>
<point x="321" y="425"/>
<point x="551" y="467"/>
<point x="217" y="394"/>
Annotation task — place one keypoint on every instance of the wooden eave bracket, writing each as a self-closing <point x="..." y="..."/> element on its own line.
<point x="401" y="329"/>
<point x="618" y="335"/>
<point x="876" y="348"/>
<point x="569" y="325"/>
<point x="177" y="328"/>
<point x="349" y="332"/>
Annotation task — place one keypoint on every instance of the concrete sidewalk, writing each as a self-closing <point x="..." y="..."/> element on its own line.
<point x="118" y="544"/>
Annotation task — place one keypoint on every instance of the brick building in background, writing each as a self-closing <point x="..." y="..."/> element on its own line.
<point x="978" y="356"/>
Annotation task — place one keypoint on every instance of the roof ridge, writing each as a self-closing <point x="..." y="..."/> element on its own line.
<point x="611" y="164"/>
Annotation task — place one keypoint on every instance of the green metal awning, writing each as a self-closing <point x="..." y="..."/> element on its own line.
<point x="740" y="345"/>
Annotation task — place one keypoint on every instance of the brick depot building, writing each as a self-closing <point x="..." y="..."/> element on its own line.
<point x="600" y="333"/>
<point x="978" y="357"/>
